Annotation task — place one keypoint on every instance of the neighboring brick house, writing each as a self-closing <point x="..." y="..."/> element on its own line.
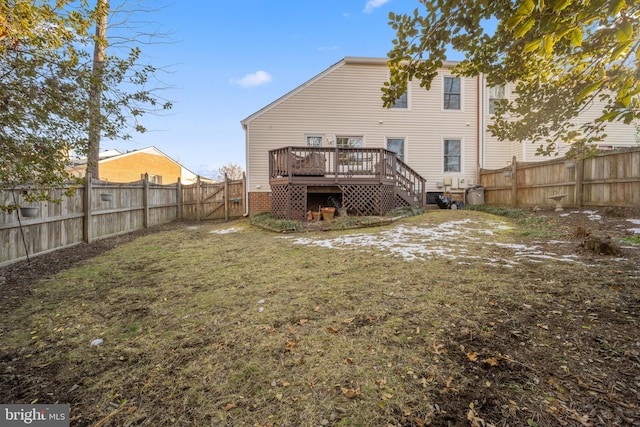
<point x="441" y="133"/>
<point x="115" y="166"/>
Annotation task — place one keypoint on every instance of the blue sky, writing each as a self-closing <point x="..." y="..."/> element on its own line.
<point x="228" y="59"/>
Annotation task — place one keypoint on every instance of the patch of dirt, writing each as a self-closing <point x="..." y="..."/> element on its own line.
<point x="596" y="230"/>
<point x="16" y="279"/>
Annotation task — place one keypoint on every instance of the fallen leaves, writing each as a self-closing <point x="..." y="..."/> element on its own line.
<point x="351" y="393"/>
<point x="475" y="420"/>
<point x="492" y="361"/>
<point x="291" y="344"/>
<point x="437" y="348"/>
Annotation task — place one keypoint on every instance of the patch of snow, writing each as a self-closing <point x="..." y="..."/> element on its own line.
<point x="453" y="240"/>
<point x="192" y="228"/>
<point x="592" y="215"/>
<point x="635" y="222"/>
<point x="226" y="230"/>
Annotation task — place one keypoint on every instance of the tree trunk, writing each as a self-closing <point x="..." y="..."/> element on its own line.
<point x="95" y="89"/>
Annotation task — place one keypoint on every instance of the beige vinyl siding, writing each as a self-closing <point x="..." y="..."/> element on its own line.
<point x="499" y="154"/>
<point x="618" y="134"/>
<point x="346" y="101"/>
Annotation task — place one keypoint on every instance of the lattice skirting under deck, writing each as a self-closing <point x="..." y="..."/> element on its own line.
<point x="289" y="201"/>
<point x="366" y="200"/>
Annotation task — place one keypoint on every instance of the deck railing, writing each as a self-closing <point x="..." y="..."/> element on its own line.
<point x="342" y="165"/>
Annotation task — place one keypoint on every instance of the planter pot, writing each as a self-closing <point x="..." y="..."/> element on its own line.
<point x="29" y="212"/>
<point x="105" y="197"/>
<point x="315" y="216"/>
<point x="328" y="213"/>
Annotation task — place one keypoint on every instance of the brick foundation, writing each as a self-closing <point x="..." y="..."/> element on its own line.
<point x="259" y="202"/>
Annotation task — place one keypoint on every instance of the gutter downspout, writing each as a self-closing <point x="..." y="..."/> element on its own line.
<point x="246" y="161"/>
<point x="480" y="127"/>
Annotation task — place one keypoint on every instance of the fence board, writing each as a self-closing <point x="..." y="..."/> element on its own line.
<point x="59" y="225"/>
<point x="612" y="178"/>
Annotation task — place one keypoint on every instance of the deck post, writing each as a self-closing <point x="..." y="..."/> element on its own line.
<point x="381" y="163"/>
<point x="336" y="161"/>
<point x="289" y="161"/>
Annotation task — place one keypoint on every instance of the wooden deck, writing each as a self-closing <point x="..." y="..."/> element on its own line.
<point x="359" y="181"/>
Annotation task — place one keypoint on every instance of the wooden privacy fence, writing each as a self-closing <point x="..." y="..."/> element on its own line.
<point x="100" y="209"/>
<point x="612" y="178"/>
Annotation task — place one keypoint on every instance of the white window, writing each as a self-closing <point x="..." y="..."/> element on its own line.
<point x="452" y="93"/>
<point x="349" y="142"/>
<point x="496" y="94"/>
<point x="397" y="146"/>
<point x="314" y="140"/>
<point x="402" y="101"/>
<point x="452" y="155"/>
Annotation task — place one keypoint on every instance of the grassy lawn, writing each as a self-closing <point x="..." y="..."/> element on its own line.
<point x="230" y="324"/>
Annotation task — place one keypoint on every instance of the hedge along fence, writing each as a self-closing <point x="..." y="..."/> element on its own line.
<point x="99" y="209"/>
<point x="611" y="178"/>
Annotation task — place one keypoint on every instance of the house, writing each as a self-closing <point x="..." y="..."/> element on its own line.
<point x="441" y="135"/>
<point x="115" y="166"/>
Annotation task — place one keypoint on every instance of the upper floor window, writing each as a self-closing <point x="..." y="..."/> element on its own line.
<point x="314" y="141"/>
<point x="402" y="101"/>
<point x="496" y="94"/>
<point x="452" y="93"/>
<point x="452" y="155"/>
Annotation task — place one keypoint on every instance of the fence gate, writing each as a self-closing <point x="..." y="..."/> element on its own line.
<point x="221" y="200"/>
<point x="213" y="201"/>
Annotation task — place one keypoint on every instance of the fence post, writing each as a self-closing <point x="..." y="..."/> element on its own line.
<point x="145" y="201"/>
<point x="514" y="181"/>
<point x="225" y="197"/>
<point x="579" y="171"/>
<point x="198" y="199"/>
<point x="86" y="226"/>
<point x="179" y="199"/>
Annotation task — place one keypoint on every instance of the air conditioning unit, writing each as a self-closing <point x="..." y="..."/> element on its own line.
<point x="455" y="183"/>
